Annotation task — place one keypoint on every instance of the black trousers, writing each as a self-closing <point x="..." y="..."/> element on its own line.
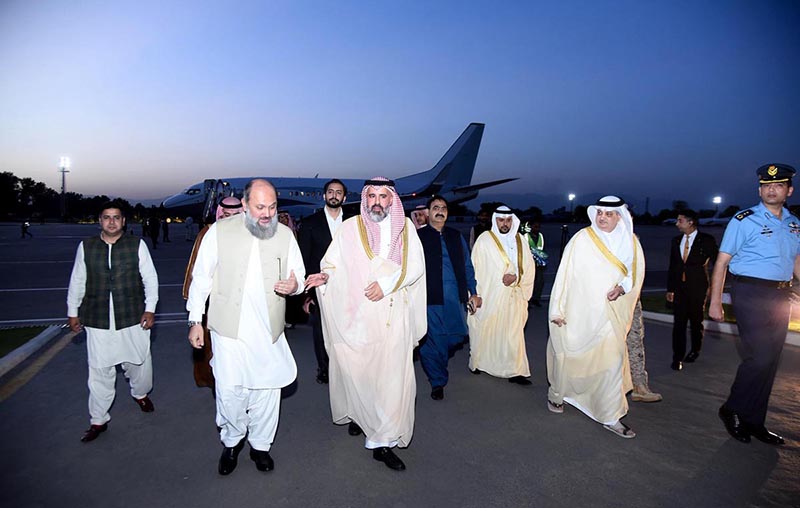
<point x="762" y="314"/>
<point x="319" y="340"/>
<point x="687" y="307"/>
<point x="538" y="283"/>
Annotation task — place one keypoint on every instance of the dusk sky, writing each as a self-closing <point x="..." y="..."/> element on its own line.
<point x="667" y="100"/>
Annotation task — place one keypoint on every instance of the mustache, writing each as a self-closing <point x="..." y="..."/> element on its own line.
<point x="439" y="215"/>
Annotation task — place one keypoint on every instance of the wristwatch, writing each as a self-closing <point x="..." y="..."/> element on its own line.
<point x="192" y="323"/>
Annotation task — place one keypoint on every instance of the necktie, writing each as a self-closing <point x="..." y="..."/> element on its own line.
<point x="686" y="249"/>
<point x="685" y="256"/>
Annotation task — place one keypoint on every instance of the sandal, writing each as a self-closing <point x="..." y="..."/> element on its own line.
<point x="624" y="432"/>
<point x="555" y="408"/>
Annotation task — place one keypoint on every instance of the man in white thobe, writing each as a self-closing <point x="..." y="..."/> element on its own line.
<point x="373" y="301"/>
<point x="591" y="310"/>
<point x="113" y="292"/>
<point x="246" y="265"/>
<point x="505" y="270"/>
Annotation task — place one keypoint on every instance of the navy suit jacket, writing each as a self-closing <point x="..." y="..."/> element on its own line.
<point x="314" y="238"/>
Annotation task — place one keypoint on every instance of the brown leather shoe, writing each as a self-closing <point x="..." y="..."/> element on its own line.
<point x="145" y="404"/>
<point x="93" y="431"/>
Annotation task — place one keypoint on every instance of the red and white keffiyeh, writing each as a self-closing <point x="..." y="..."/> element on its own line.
<point x="396" y="214"/>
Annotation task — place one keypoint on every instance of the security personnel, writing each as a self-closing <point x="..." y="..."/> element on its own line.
<point x="760" y="248"/>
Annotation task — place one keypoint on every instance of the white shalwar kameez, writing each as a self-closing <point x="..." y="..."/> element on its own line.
<point x="129" y="347"/>
<point x="249" y="370"/>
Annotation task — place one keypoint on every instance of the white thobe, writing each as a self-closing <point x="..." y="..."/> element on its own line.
<point x="370" y="343"/>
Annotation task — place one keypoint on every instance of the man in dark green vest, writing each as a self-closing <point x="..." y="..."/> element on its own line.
<point x="113" y="292"/>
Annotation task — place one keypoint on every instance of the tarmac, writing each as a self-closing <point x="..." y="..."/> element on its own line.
<point x="488" y="443"/>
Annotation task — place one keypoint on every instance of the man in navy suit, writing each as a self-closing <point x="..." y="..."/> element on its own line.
<point x="314" y="238"/>
<point x="691" y="259"/>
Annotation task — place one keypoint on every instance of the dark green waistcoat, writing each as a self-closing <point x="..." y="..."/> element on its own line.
<point x="122" y="280"/>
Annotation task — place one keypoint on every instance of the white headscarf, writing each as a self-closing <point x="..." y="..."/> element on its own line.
<point x="508" y="240"/>
<point x="620" y="240"/>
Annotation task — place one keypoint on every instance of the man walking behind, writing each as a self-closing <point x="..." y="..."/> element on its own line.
<point x="691" y="258"/>
<point x="450" y="281"/>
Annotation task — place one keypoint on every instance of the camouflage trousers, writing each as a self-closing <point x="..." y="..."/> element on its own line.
<point x="635" y="342"/>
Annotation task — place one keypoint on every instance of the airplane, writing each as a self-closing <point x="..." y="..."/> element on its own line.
<point x="714" y="221"/>
<point x="451" y="177"/>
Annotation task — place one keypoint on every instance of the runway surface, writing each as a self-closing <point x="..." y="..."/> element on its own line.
<point x="488" y="443"/>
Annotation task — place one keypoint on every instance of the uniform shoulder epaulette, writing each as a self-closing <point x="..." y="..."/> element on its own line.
<point x="742" y="215"/>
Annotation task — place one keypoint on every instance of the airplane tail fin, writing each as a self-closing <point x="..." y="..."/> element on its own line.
<point x="454" y="169"/>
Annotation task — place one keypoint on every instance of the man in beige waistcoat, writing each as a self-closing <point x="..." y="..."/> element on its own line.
<point x="247" y="264"/>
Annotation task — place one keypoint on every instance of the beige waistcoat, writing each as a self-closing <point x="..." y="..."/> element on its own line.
<point x="234" y="244"/>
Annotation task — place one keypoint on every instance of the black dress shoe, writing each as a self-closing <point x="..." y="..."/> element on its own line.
<point x="145" y="404"/>
<point x="734" y="425"/>
<point x="229" y="458"/>
<point x="322" y="376"/>
<point x="387" y="456"/>
<point x="676" y="365"/>
<point x="353" y="429"/>
<point x="520" y="380"/>
<point x="691" y="357"/>
<point x="93" y="431"/>
<point x="262" y="459"/>
<point x="765" y="436"/>
<point x="437" y="393"/>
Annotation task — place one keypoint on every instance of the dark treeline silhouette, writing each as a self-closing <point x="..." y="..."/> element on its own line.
<point x="27" y="199"/>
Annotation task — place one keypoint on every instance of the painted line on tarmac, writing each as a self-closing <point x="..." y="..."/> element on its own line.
<point x="70" y="261"/>
<point x="34" y="262"/>
<point x="8" y="389"/>
<point x="19" y="290"/>
<point x="21" y="322"/>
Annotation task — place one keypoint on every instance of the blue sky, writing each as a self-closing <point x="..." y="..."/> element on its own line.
<point x="667" y="100"/>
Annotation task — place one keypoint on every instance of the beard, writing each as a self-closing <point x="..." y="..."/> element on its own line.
<point x="259" y="231"/>
<point x="380" y="214"/>
<point x="333" y="203"/>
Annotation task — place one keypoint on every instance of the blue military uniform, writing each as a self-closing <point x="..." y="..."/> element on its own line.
<point x="763" y="249"/>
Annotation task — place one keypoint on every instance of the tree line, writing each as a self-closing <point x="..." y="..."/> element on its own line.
<point x="27" y="199"/>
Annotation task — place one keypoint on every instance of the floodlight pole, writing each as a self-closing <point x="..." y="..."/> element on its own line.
<point x="63" y="167"/>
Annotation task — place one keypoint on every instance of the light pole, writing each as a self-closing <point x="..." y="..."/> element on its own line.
<point x="571" y="198"/>
<point x="63" y="166"/>
<point x="716" y="200"/>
